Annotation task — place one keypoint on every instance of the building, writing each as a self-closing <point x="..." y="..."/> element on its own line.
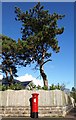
<point x="5" y="82"/>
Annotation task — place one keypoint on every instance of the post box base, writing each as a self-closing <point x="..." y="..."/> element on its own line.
<point x="34" y="115"/>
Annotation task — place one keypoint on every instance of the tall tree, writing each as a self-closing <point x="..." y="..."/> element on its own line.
<point x="9" y="58"/>
<point x="39" y="30"/>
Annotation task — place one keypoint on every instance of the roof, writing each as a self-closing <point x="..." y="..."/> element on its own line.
<point x="25" y="83"/>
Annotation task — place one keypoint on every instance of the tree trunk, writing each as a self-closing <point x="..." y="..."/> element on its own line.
<point x="11" y="77"/>
<point x="41" y="63"/>
<point x="45" y="81"/>
<point x="6" y="74"/>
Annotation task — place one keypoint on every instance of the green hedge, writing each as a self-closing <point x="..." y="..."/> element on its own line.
<point x="12" y="87"/>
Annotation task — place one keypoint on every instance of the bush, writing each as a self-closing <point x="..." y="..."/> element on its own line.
<point x="0" y="87"/>
<point x="73" y="93"/>
<point x="31" y="86"/>
<point x="16" y="86"/>
<point x="54" y="87"/>
<point x="4" y="87"/>
<point x="39" y="87"/>
<point x="45" y="88"/>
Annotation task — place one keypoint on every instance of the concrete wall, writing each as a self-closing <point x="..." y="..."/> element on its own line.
<point x="51" y="103"/>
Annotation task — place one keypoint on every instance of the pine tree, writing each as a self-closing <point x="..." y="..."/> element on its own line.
<point x="39" y="30"/>
<point x="9" y="58"/>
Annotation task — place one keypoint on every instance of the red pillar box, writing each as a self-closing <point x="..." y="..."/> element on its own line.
<point x="35" y="105"/>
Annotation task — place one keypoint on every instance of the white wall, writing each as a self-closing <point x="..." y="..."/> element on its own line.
<point x="21" y="98"/>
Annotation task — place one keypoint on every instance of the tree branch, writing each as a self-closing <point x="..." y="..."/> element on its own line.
<point x="46" y="61"/>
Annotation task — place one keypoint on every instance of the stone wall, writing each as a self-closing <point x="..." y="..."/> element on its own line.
<point x="51" y="103"/>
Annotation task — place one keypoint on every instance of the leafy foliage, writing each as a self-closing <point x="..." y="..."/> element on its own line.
<point x="9" y="54"/>
<point x="73" y="93"/>
<point x="31" y="86"/>
<point x="39" y="87"/>
<point x="9" y="57"/>
<point x="39" y="30"/>
<point x="45" y="88"/>
<point x="58" y="86"/>
<point x="16" y="86"/>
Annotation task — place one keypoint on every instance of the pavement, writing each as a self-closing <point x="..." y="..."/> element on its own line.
<point x="21" y="118"/>
<point x="72" y="114"/>
<point x="0" y="118"/>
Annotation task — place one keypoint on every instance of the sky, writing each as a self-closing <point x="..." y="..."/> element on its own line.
<point x="61" y="69"/>
<point x="37" y="0"/>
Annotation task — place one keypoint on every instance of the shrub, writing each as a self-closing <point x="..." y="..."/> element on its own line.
<point x="16" y="86"/>
<point x="58" y="86"/>
<point x="39" y="87"/>
<point x="52" y="87"/>
<point x="73" y="93"/>
<point x="45" y="88"/>
<point x="4" y="87"/>
<point x="31" y="86"/>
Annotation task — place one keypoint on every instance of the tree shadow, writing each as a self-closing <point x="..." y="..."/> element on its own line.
<point x="30" y="107"/>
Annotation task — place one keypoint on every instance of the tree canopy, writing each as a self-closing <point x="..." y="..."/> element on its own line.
<point x="9" y="58"/>
<point x="39" y="36"/>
